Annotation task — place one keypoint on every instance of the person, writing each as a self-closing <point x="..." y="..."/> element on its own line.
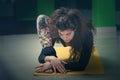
<point x="68" y="26"/>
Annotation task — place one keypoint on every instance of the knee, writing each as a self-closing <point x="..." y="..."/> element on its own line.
<point x="42" y="21"/>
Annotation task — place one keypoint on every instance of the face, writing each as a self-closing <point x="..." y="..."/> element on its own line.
<point x="66" y="35"/>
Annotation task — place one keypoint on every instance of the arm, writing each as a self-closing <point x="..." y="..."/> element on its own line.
<point x="48" y="54"/>
<point x="81" y="64"/>
<point x="47" y="51"/>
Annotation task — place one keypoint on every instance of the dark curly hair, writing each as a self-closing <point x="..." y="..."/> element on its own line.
<point x="65" y="18"/>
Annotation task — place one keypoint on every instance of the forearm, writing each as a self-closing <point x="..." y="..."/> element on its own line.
<point x="48" y="58"/>
<point x="75" y="66"/>
<point x="80" y="65"/>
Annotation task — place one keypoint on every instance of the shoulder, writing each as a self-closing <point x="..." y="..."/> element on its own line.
<point x="58" y="42"/>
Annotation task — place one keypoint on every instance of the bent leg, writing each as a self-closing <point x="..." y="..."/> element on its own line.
<point x="43" y="31"/>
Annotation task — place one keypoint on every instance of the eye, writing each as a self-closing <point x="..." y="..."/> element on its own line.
<point x="68" y="34"/>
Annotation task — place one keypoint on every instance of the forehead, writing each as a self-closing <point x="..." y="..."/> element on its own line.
<point x="64" y="31"/>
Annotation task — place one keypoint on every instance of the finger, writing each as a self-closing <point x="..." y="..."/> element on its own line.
<point x="54" y="69"/>
<point x="39" y="66"/>
<point x="38" y="70"/>
<point x="47" y="70"/>
<point x="51" y="70"/>
<point x="63" y="62"/>
<point x="61" y="68"/>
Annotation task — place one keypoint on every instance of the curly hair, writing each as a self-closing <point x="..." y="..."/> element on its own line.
<point x="65" y="18"/>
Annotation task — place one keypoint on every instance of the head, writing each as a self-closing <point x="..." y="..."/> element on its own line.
<point x="67" y="23"/>
<point x="66" y="35"/>
<point x="72" y="28"/>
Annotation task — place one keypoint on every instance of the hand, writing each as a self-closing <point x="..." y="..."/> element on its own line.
<point x="57" y="64"/>
<point x="45" y="67"/>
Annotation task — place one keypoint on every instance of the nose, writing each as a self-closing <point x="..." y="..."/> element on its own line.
<point x="65" y="38"/>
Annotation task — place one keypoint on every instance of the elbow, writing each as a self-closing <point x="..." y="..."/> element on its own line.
<point x="41" y="59"/>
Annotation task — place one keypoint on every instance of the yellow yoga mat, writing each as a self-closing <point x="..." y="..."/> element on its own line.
<point x="95" y="65"/>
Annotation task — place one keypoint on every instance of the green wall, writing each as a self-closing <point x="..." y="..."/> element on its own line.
<point x="103" y="13"/>
<point x="45" y="7"/>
